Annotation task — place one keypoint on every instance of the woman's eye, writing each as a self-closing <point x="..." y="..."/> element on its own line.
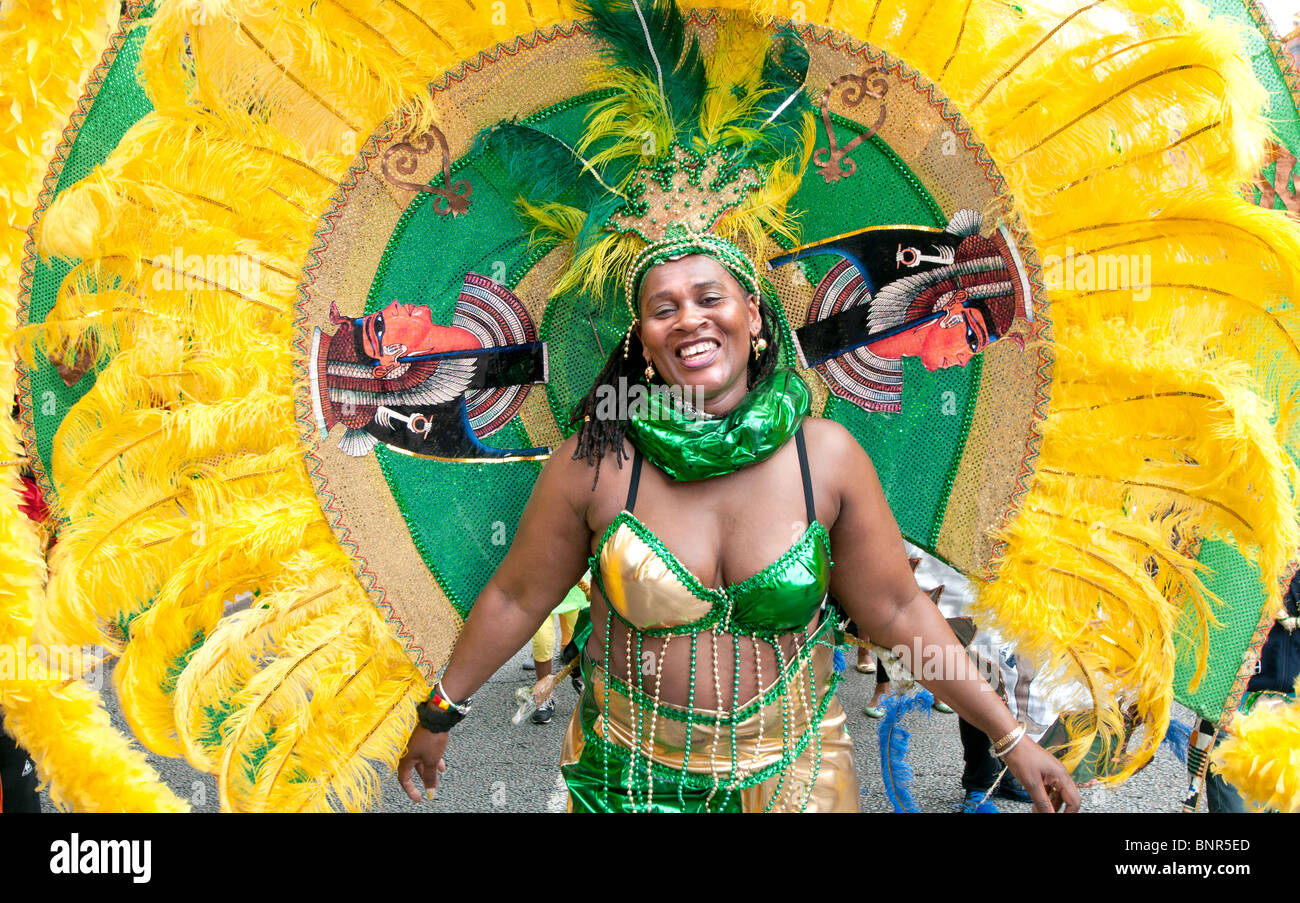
<point x="972" y="339"/>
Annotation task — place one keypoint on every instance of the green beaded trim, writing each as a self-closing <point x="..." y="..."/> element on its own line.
<point x="785" y="729"/>
<point x="577" y="100"/>
<point x="604" y="759"/>
<point x="690" y="704"/>
<point x="734" y="784"/>
<point x="625" y="757"/>
<point x="684" y="244"/>
<point x="789" y="359"/>
<point x="763" y="700"/>
<point x="638" y="715"/>
<point x="732" y="172"/>
<point x="815" y="531"/>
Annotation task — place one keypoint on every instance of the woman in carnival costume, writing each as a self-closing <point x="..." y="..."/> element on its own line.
<point x="708" y="663"/>
<point x="701" y="728"/>
<point x="715" y="530"/>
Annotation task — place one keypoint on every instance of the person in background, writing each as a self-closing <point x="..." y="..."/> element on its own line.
<point x="18" y="780"/>
<point x="17" y="777"/>
<point x="544" y="642"/>
<point x="927" y="571"/>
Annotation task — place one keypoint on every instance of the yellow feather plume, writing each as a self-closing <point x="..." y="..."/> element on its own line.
<point x="244" y="642"/>
<point x="1261" y="757"/>
<point x="337" y="678"/>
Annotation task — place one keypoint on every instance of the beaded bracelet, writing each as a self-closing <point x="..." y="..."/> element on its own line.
<point x="441" y="700"/>
<point x="1004" y="745"/>
<point x="439" y="714"/>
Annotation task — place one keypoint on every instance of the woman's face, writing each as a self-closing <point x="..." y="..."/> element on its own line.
<point x="697" y="323"/>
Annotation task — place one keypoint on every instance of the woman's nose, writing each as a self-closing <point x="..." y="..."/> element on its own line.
<point x="689" y="318"/>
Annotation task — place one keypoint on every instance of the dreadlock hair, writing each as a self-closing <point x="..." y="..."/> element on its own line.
<point x="597" y="435"/>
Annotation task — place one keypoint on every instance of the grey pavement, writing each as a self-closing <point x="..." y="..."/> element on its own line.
<point x="495" y="766"/>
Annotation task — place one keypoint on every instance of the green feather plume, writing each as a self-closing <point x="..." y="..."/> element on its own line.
<point x="648" y="40"/>
<point x="659" y="90"/>
<point x="555" y="186"/>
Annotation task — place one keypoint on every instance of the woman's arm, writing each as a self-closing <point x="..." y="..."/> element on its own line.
<point x="548" y="556"/>
<point x="873" y="581"/>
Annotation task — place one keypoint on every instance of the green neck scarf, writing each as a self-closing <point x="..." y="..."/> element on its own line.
<point x="689" y="447"/>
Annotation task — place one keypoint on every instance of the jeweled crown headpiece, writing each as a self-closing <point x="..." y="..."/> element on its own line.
<point x="684" y="188"/>
<point x="674" y="205"/>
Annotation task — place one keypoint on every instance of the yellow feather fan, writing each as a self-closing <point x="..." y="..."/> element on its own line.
<point x="46" y="51"/>
<point x="185" y="454"/>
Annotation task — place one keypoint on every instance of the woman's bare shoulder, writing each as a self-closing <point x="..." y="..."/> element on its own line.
<point x="830" y="442"/>
<point x="585" y="481"/>
<point x="840" y="465"/>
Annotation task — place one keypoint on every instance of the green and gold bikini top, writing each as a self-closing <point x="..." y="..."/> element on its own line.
<point x="648" y="589"/>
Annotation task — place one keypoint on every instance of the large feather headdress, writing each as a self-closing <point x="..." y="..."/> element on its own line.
<point x="729" y="131"/>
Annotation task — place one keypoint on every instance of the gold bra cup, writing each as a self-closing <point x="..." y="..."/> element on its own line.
<point x="642" y="588"/>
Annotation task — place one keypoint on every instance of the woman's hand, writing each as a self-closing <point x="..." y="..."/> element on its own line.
<point x="423" y="757"/>
<point x="1043" y="777"/>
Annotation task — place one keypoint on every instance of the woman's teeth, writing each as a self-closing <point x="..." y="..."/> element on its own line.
<point x="698" y="350"/>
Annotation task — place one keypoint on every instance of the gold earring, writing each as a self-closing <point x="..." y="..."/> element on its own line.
<point x="760" y="345"/>
<point x="649" y="372"/>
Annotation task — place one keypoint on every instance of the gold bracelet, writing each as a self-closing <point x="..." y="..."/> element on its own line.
<point x="1003" y="745"/>
<point x="1010" y="735"/>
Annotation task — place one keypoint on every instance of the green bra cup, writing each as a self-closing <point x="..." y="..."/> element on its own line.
<point x="649" y="589"/>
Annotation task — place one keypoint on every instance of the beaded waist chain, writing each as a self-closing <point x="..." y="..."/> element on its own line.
<point x="641" y="740"/>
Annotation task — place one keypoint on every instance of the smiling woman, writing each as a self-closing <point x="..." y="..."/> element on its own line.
<point x="739" y="713"/>
<point x="700" y="323"/>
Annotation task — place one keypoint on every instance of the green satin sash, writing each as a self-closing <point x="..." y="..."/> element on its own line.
<point x="688" y="447"/>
